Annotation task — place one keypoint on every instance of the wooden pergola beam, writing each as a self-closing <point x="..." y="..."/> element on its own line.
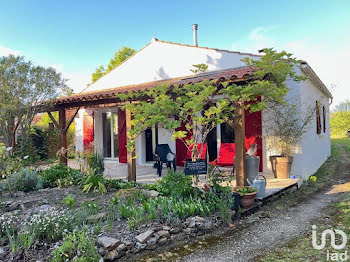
<point x="54" y="121"/>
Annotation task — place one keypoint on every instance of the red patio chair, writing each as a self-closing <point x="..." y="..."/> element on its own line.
<point x="199" y="147"/>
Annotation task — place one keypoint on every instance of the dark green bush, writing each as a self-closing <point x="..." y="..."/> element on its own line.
<point x="25" y="180"/>
<point x="61" y="175"/>
<point x="175" y="184"/>
<point x="120" y="184"/>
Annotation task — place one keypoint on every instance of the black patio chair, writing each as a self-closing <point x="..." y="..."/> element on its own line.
<point x="161" y="155"/>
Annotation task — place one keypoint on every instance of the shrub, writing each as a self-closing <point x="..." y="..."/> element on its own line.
<point x="77" y="246"/>
<point x="175" y="184"/>
<point x="95" y="162"/>
<point x="69" y="201"/>
<point x="95" y="181"/>
<point x="25" y="180"/>
<point x="8" y="164"/>
<point x="61" y="175"/>
<point x="120" y="184"/>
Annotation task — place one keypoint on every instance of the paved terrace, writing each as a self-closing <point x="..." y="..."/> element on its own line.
<point x="147" y="174"/>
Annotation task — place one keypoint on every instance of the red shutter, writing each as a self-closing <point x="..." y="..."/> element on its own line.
<point x="318" y="118"/>
<point x="122" y="136"/>
<point x="324" y="119"/>
<point x="88" y="131"/>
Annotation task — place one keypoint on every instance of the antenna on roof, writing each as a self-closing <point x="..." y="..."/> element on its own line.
<point x="195" y="29"/>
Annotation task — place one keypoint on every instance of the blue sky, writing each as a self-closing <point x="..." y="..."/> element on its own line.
<point x="77" y="36"/>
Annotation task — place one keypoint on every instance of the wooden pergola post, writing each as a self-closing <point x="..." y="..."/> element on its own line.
<point x="62" y="127"/>
<point x="130" y="154"/>
<point x="63" y="136"/>
<point x="240" y="146"/>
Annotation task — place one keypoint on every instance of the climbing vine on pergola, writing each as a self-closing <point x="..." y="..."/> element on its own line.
<point x="201" y="106"/>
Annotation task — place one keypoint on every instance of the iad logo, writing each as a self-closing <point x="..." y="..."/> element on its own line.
<point x="332" y="234"/>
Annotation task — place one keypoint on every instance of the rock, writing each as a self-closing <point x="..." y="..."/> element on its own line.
<point x="152" y="247"/>
<point x="164" y="233"/>
<point x="128" y="242"/>
<point x="112" y="255"/>
<point x="108" y="243"/>
<point x="187" y="231"/>
<point x="156" y="228"/>
<point x="162" y="241"/>
<point x="152" y="241"/>
<point x="199" y="224"/>
<point x="175" y="230"/>
<point x="152" y="193"/>
<point x="140" y="246"/>
<point x="156" y="235"/>
<point x="192" y="224"/>
<point x="98" y="216"/>
<point x="208" y="225"/>
<point x="102" y="251"/>
<point x="199" y="219"/>
<point x="19" y="194"/>
<point x="143" y="237"/>
<point x="2" y="251"/>
<point x="121" y="247"/>
<point x="167" y="228"/>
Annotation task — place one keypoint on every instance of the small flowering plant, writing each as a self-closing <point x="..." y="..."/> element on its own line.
<point x="8" y="223"/>
<point x="50" y="224"/>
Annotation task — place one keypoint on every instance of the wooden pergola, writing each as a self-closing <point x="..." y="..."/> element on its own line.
<point x="107" y="98"/>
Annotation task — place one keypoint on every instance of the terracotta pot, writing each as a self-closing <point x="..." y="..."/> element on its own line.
<point x="247" y="200"/>
<point x="281" y="166"/>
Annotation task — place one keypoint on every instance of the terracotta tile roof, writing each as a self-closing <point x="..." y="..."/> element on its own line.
<point x="233" y="74"/>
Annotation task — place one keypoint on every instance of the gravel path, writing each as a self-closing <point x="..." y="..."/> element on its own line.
<point x="262" y="234"/>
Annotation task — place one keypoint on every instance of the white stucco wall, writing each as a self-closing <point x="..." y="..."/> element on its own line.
<point x="79" y="143"/>
<point x="314" y="148"/>
<point x="158" y="61"/>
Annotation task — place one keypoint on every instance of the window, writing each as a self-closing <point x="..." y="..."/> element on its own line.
<point x="318" y="118"/>
<point x="110" y="135"/>
<point x="227" y="133"/>
<point x="324" y="118"/>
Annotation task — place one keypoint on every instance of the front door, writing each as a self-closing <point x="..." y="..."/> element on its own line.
<point x="149" y="145"/>
<point x="212" y="145"/>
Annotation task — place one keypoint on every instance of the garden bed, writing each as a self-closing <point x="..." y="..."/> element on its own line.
<point x="54" y="220"/>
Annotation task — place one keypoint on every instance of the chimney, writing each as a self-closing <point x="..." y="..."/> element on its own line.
<point x="194" y="29"/>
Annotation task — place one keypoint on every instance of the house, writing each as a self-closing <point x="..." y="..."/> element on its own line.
<point x="101" y="122"/>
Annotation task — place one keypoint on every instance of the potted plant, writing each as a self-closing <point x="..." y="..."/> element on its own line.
<point x="247" y="196"/>
<point x="286" y="127"/>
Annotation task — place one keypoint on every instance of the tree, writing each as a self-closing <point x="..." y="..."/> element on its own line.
<point x="343" y="106"/>
<point x="119" y="57"/>
<point x="22" y="87"/>
<point x="194" y="107"/>
<point x="340" y="123"/>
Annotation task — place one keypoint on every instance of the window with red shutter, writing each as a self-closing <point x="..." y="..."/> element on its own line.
<point x="318" y="118"/>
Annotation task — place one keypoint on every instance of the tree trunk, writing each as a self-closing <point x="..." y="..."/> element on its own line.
<point x="131" y="161"/>
<point x="240" y="146"/>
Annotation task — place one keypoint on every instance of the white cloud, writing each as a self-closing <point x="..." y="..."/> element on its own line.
<point x="329" y="62"/>
<point x="259" y="33"/>
<point x="5" y="51"/>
